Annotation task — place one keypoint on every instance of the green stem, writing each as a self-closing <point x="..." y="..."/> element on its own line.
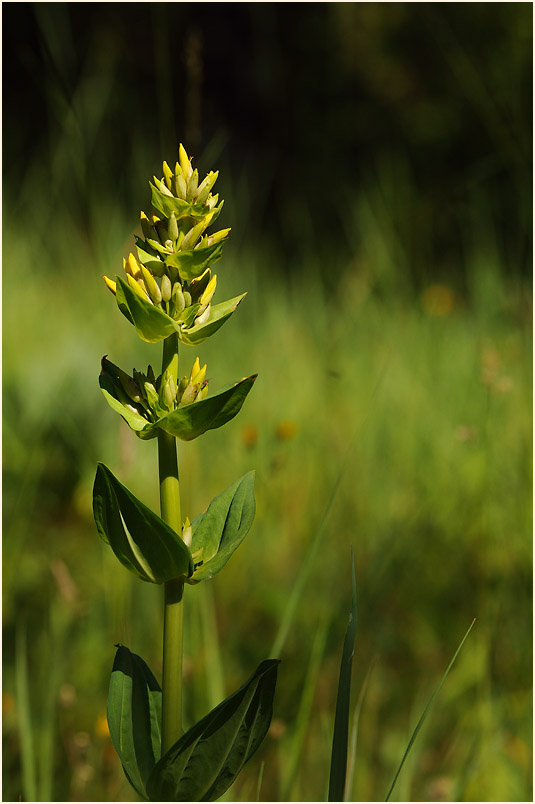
<point x="173" y="609"/>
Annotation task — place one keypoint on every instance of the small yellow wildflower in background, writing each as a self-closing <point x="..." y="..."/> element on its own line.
<point x="286" y="430"/>
<point x="249" y="435"/>
<point x="438" y="300"/>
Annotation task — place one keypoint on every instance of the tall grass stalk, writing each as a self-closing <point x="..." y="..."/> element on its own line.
<point x="26" y="728"/>
<point x="426" y="711"/>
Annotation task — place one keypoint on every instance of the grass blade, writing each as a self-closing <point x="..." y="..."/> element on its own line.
<point x="292" y="751"/>
<point x="260" y="777"/>
<point x="26" y="733"/>
<point x="426" y="710"/>
<point x="337" y="778"/>
<point x="306" y="566"/>
<point x="354" y="735"/>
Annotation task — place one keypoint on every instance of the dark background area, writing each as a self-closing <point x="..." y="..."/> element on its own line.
<point x="305" y="100"/>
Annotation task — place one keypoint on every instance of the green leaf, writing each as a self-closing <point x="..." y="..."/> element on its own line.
<point x="218" y="315"/>
<point x="140" y="539"/>
<point x="205" y="761"/>
<point x="190" y="421"/>
<point x="341" y="720"/>
<point x="192" y="264"/>
<point x="135" y="420"/>
<point x="426" y="712"/>
<point x="151" y="261"/>
<point x="135" y="717"/>
<point x="166" y="204"/>
<point x="221" y="529"/>
<point x="188" y="316"/>
<point x="151" y="323"/>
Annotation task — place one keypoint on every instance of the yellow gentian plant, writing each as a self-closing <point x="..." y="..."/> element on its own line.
<point x="167" y="293"/>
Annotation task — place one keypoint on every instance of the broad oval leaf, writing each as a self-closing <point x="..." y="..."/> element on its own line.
<point x="221" y="529"/>
<point x="151" y="323"/>
<point x="190" y="421"/>
<point x="205" y="761"/>
<point x="135" y="717"/>
<point x="219" y="313"/>
<point x="133" y="419"/>
<point x="140" y="539"/>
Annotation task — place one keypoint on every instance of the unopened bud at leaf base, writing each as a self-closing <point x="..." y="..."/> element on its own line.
<point x="173" y="227"/>
<point x="168" y="394"/>
<point x="166" y="288"/>
<point x="178" y="297"/>
<point x="187" y="532"/>
<point x="203" y="317"/>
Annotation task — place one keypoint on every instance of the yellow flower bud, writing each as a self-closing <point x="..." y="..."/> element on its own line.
<point x="206" y="297"/>
<point x="181" y="187"/>
<point x="189" y="394"/>
<point x="195" y="369"/>
<point x="203" y="190"/>
<point x="168" y="174"/>
<point x="203" y="317"/>
<point x="166" y="288"/>
<point x="187" y="533"/>
<point x="193" y="183"/>
<point x="178" y="297"/>
<point x="138" y="286"/>
<point x="217" y="237"/>
<point x="192" y="236"/>
<point x="197" y="378"/>
<point x="169" y="394"/>
<point x="172" y="227"/>
<point x="152" y="285"/>
<point x="185" y="162"/>
<point x="110" y="284"/>
<point x="146" y="226"/>
<point x="133" y="264"/>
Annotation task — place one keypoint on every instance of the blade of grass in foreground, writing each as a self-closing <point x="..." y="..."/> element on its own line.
<point x="354" y="735"/>
<point x="426" y="710"/>
<point x="337" y="778"/>
<point x="26" y="733"/>
<point x="306" y="566"/>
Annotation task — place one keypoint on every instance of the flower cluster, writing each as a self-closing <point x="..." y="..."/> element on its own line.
<point x="152" y="397"/>
<point x="172" y="273"/>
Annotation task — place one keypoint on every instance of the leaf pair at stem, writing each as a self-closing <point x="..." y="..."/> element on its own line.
<point x="147" y="546"/>
<point x="205" y="761"/>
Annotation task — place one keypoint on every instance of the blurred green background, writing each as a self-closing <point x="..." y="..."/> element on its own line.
<point x="375" y="160"/>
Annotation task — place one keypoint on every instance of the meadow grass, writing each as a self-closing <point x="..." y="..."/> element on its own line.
<point x="393" y="420"/>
